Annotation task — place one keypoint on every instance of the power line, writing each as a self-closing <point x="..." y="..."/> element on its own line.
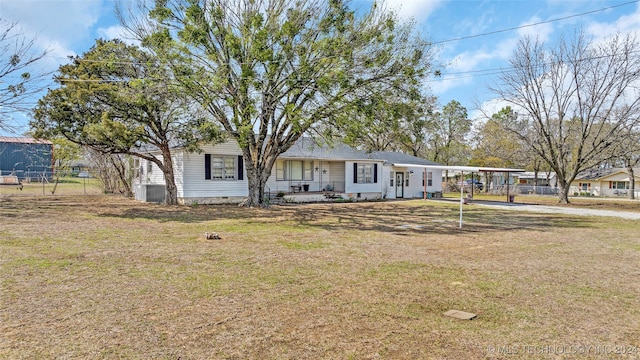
<point x="534" y="24"/>
<point x="463" y="74"/>
<point x="434" y="43"/>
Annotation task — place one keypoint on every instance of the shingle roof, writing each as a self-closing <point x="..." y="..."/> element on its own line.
<point x="399" y="158"/>
<point x="531" y="175"/>
<point x="306" y="148"/>
<point x="599" y="173"/>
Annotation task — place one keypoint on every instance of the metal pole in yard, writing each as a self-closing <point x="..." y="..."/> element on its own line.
<point x="461" y="196"/>
<point x="424" y="179"/>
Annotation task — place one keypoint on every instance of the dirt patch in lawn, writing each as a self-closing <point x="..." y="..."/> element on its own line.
<point x="106" y="277"/>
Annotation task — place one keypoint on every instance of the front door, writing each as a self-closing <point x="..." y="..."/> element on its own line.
<point x="399" y="185"/>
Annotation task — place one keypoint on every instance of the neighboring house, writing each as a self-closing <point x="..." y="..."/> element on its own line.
<point x="528" y="178"/>
<point x="546" y="183"/>
<point x="79" y="166"/>
<point x="609" y="182"/>
<point x="28" y="159"/>
<point x="306" y="172"/>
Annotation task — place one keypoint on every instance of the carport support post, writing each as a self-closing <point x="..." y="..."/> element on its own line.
<point x="424" y="194"/>
<point x="461" y="196"/>
<point x="507" y="183"/>
<point x="473" y="184"/>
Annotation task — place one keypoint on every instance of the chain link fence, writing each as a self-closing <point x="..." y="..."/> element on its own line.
<point x="48" y="183"/>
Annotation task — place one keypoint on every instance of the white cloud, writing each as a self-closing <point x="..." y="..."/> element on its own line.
<point x="624" y="24"/>
<point x="112" y="32"/>
<point x="418" y="10"/>
<point x="53" y="18"/>
<point x="541" y="32"/>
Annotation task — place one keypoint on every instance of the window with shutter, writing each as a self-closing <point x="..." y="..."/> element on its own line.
<point x="219" y="167"/>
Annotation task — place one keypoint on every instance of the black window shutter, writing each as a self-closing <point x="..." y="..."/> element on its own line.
<point x="207" y="166"/>
<point x="375" y="173"/>
<point x="240" y="167"/>
<point x="355" y="173"/>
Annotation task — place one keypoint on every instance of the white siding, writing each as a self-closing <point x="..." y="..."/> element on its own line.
<point x="415" y="188"/>
<point x="366" y="191"/>
<point x="336" y="175"/>
<point x="198" y="188"/>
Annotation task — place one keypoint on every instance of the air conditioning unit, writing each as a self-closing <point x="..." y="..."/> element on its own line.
<point x="150" y="193"/>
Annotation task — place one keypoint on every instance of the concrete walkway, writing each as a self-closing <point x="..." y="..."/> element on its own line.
<point x="557" y="209"/>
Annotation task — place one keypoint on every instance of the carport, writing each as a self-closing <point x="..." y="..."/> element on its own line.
<point x="462" y="170"/>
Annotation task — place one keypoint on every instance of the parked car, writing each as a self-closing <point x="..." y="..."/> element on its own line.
<point x="84" y="174"/>
<point x="476" y="183"/>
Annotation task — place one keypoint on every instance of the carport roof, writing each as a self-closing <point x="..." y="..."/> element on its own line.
<point x="462" y="168"/>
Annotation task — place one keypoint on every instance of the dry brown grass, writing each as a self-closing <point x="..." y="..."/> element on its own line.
<point x="105" y="277"/>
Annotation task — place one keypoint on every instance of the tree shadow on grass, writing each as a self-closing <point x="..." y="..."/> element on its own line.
<point x="15" y="209"/>
<point x="429" y="218"/>
<point x="391" y="217"/>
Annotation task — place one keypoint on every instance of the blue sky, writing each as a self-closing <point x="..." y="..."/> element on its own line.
<point x="70" y="27"/>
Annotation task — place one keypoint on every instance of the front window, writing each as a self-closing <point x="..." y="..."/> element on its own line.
<point x="365" y="173"/>
<point x="297" y="170"/>
<point x="620" y="185"/>
<point x="223" y="167"/>
<point x="429" y="178"/>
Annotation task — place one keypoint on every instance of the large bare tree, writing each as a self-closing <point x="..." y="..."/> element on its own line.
<point x="575" y="101"/>
<point x="20" y="78"/>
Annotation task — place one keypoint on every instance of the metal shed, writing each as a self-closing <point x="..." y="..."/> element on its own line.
<point x="27" y="158"/>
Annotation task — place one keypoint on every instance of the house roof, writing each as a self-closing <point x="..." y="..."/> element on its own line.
<point x="23" y="140"/>
<point x="391" y="157"/>
<point x="531" y="175"/>
<point x="306" y="148"/>
<point x="599" y="173"/>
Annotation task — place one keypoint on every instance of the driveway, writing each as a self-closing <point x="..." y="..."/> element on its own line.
<point x="558" y="209"/>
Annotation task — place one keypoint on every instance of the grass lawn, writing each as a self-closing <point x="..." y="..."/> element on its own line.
<point x="106" y="277"/>
<point x="65" y="186"/>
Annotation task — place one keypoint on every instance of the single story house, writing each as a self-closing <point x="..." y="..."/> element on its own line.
<point x="608" y="182"/>
<point x="306" y="172"/>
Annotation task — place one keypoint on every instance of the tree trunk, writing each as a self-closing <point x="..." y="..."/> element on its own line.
<point x="563" y="196"/>
<point x="632" y="181"/>
<point x="171" y="190"/>
<point x="257" y="182"/>
<point x="121" y="171"/>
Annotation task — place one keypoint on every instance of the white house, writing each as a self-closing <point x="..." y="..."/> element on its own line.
<point x="306" y="172"/>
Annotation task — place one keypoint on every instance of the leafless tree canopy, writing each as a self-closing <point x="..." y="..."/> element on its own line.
<point x="575" y="102"/>
<point x="20" y="79"/>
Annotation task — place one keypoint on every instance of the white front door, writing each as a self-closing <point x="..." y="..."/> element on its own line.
<point x="399" y="185"/>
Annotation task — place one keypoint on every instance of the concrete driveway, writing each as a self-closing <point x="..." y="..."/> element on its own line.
<point x="558" y="209"/>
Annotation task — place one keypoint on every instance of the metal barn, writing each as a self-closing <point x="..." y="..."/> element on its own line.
<point x="28" y="159"/>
